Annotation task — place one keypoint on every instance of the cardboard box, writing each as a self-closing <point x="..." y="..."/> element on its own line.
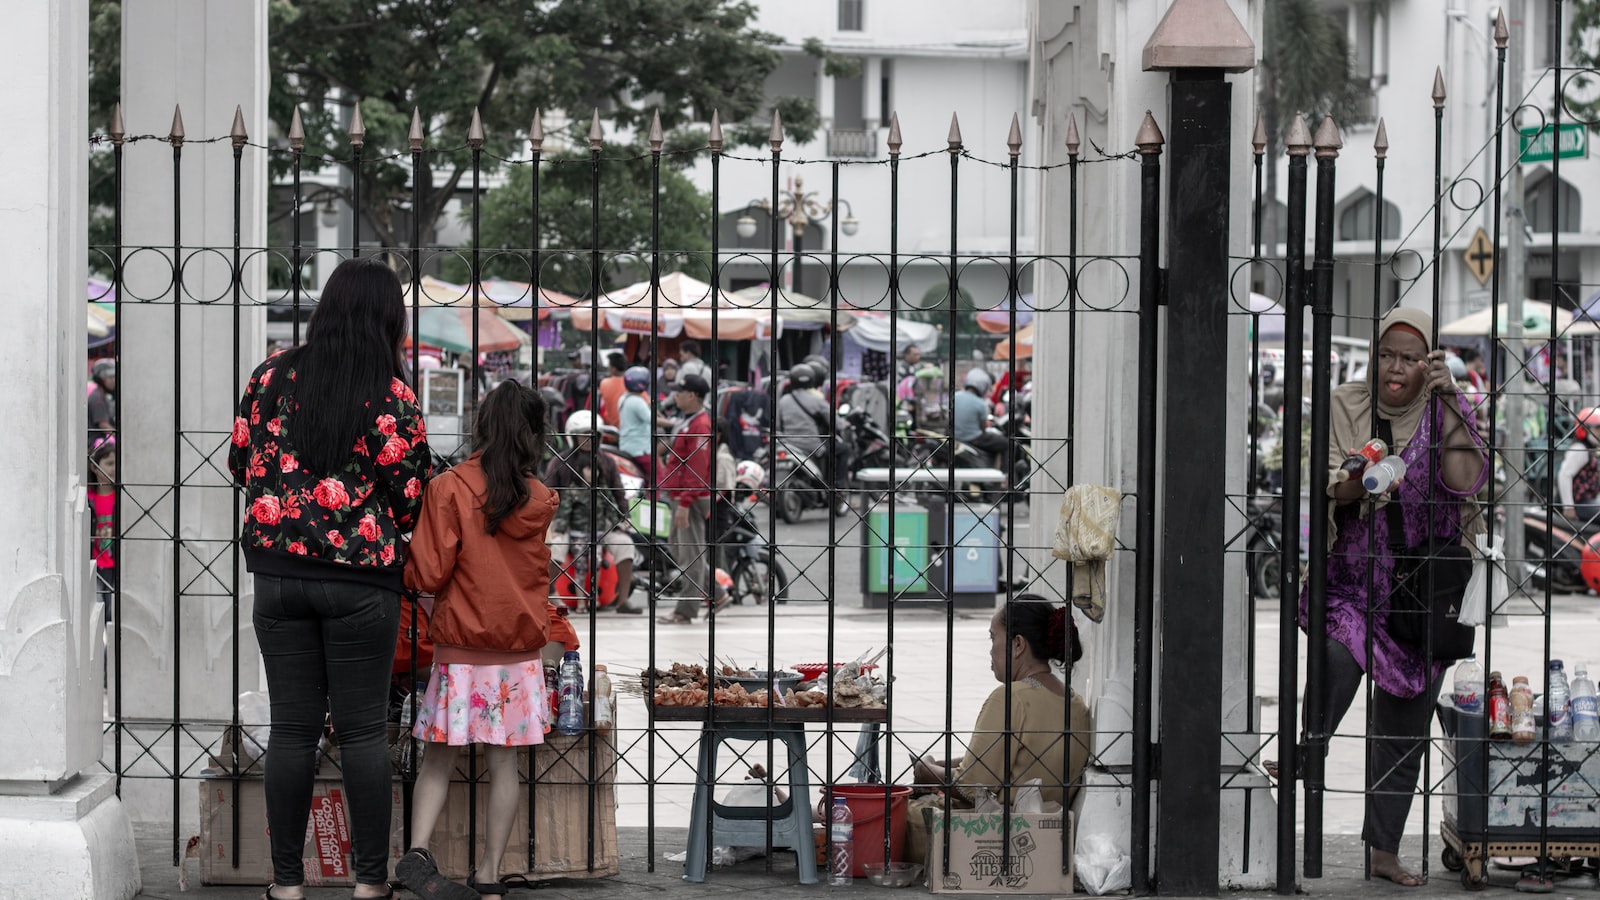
<point x="1037" y="866"/>
<point x="326" y="856"/>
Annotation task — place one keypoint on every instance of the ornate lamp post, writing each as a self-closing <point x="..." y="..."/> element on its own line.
<point x="801" y="209"/>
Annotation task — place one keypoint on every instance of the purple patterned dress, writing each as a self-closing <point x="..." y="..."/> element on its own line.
<point x="1395" y="667"/>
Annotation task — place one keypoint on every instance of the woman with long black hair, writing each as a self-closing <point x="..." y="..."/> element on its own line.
<point x="331" y="450"/>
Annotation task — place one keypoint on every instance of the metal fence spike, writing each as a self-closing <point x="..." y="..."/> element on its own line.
<point x="176" y="134"/>
<point x="237" y="132"/>
<point x="1014" y="138"/>
<point x="415" y="137"/>
<point x="117" y="131"/>
<point x="1258" y="138"/>
<point x="656" y="137"/>
<point x="297" y="132"/>
<point x="1298" y="141"/>
<point x="1380" y="144"/>
<point x="715" y="140"/>
<point x="1327" y="140"/>
<point x="475" y="131"/>
<point x="894" y="134"/>
<point x="1502" y="34"/>
<point x="1149" y="140"/>
<point x="775" y="136"/>
<point x="536" y="131"/>
<point x="1438" y="88"/>
<point x="358" y="128"/>
<point x="953" y="139"/>
<point x="1073" y="141"/>
<point x="597" y="138"/>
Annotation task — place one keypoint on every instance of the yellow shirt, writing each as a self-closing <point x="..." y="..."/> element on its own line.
<point x="1038" y="745"/>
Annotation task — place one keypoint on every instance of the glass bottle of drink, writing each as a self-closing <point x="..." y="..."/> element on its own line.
<point x="1523" y="728"/>
<point x="602" y="698"/>
<point x="1469" y="687"/>
<point x="841" y="844"/>
<point x="1585" y="712"/>
<point x="1499" y="709"/>
<point x="570" y="719"/>
<point x="1558" y="711"/>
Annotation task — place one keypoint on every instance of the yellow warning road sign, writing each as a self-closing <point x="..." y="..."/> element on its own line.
<point x="1479" y="257"/>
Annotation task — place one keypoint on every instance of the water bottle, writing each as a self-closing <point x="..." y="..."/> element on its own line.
<point x="570" y="718"/>
<point x="1383" y="473"/>
<point x="841" y="845"/>
<point x="1585" y="714"/>
<point x="602" y="698"/>
<point x="1469" y="687"/>
<point x="1558" y="712"/>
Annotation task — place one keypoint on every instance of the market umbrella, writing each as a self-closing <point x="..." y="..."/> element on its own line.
<point x="679" y="304"/>
<point x="450" y="327"/>
<point x="799" y="311"/>
<point x="1536" y="322"/>
<point x="1023" y="341"/>
<point x="998" y="320"/>
<point x="511" y="300"/>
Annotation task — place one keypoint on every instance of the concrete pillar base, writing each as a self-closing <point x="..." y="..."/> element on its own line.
<point x="75" y="841"/>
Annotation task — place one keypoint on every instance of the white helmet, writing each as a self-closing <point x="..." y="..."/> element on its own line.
<point x="978" y="379"/>
<point x="581" y="422"/>
<point x="749" y="474"/>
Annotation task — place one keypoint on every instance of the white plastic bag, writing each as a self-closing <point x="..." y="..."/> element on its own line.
<point x="1487" y="587"/>
<point x="255" y="713"/>
<point x="1101" y="867"/>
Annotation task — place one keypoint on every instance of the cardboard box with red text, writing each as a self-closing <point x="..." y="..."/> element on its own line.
<point x="978" y="865"/>
<point x="326" y="856"/>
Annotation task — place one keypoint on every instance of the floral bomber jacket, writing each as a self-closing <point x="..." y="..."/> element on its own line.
<point x="354" y="517"/>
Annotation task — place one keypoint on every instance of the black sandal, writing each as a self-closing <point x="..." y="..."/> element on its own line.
<point x="489" y="889"/>
<point x="418" y="871"/>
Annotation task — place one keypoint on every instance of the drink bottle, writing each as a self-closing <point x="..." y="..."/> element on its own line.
<point x="1357" y="462"/>
<point x="1383" y="473"/>
<point x="1499" y="709"/>
<point x="570" y="718"/>
<point x="1469" y="687"/>
<point x="1523" y="728"/>
<point x="1585" y="713"/>
<point x="841" y="844"/>
<point x="1558" y="711"/>
<point x="602" y="698"/>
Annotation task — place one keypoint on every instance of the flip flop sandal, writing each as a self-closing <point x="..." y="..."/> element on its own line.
<point x="420" y="874"/>
<point x="487" y="889"/>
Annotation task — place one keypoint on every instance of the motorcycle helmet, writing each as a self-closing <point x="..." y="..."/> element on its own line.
<point x="818" y="364"/>
<point x="581" y="422"/>
<point x="978" y="380"/>
<point x="748" y="475"/>
<point x="1588" y="421"/>
<point x="103" y="369"/>
<point x="802" y="376"/>
<point x="636" y="379"/>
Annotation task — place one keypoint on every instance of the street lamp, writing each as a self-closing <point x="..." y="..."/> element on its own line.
<point x="801" y="209"/>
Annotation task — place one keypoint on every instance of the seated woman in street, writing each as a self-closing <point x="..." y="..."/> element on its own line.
<point x="1031" y="642"/>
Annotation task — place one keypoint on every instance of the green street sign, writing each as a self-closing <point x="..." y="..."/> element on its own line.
<point x="1537" y="145"/>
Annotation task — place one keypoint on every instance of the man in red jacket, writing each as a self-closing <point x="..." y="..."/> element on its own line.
<point x="687" y="481"/>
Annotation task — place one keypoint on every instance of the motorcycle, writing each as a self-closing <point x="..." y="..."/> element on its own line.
<point x="1264" y="549"/>
<point x="749" y="558"/>
<point x="800" y="482"/>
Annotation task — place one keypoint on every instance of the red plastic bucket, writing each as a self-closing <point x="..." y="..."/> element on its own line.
<point x="866" y="808"/>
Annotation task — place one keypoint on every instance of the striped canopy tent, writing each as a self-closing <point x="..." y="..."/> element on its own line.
<point x="680" y="306"/>
<point x="512" y="300"/>
<point x="1023" y="341"/>
<point x="799" y="311"/>
<point x="1537" y="319"/>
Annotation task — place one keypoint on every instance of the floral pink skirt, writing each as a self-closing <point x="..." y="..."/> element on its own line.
<point x="504" y="706"/>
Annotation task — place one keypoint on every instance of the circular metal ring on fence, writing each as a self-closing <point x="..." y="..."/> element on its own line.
<point x="1457" y="185"/>
<point x="1118" y="268"/>
<point x="1567" y="100"/>
<point x="564" y="267"/>
<point x="147" y="274"/>
<point x="223" y="259"/>
<point x="107" y="263"/>
<point x="1539" y="115"/>
<point x="921" y="303"/>
<point x="1246" y="267"/>
<point x="878" y="303"/>
<point x="1404" y="260"/>
<point x="1028" y="273"/>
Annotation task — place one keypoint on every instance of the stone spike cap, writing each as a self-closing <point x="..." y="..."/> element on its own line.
<point x="597" y="138"/>
<point x="714" y="141"/>
<point x="1014" y="138"/>
<point x="656" y="137"/>
<point x="297" y="132"/>
<point x="1327" y="140"/>
<point x="1199" y="34"/>
<point x="358" y="128"/>
<point x="1380" y="144"/>
<point x="1298" y="141"/>
<point x="953" y="138"/>
<point x="1438" y="88"/>
<point x="536" y="131"/>
<point x="475" y="131"/>
<point x="237" y="132"/>
<point x="118" y="132"/>
<point x="894" y="134"/>
<point x="414" y="138"/>
<point x="775" y="136"/>
<point x="176" y="134"/>
<point x="1502" y="34"/>
<point x="1258" y="138"/>
<point x="1149" y="140"/>
<point x="1073" y="141"/>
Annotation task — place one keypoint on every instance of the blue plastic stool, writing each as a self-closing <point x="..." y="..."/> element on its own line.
<point x="746" y="826"/>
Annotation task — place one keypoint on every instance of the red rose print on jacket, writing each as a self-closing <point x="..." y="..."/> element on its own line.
<point x="393" y="451"/>
<point x="386" y="425"/>
<point x="401" y="392"/>
<point x="413" y="489"/>
<point x="331" y="494"/>
<point x="241" y="431"/>
<point x="275" y="426"/>
<point x="387" y="554"/>
<point x="266" y="510"/>
<point x="297" y="547"/>
<point x="287" y="463"/>
<point x="368" y="528"/>
<point x="335" y="538"/>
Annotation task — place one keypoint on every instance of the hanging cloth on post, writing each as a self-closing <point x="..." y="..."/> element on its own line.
<point x="1086" y="533"/>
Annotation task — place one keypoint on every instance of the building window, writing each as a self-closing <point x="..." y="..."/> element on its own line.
<point x="1542" y="201"/>
<point x="850" y="14"/>
<point x="885" y="94"/>
<point x="1356" y="221"/>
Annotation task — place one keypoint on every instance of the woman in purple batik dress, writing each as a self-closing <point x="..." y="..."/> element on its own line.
<point x="1446" y="465"/>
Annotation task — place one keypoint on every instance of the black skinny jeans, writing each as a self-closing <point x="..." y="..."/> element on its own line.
<point x="1398" y="740"/>
<point x="328" y="647"/>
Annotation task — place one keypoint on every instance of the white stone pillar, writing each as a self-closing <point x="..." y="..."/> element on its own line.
<point x="181" y="631"/>
<point x="64" y="831"/>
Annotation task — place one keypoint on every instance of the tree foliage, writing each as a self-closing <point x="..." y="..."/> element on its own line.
<point x="1583" y="48"/>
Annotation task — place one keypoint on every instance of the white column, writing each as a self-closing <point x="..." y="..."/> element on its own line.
<point x="871" y="74"/>
<point x="181" y="632"/>
<point x="64" y="830"/>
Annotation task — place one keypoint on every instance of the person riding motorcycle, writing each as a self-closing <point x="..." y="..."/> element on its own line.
<point x="972" y="414"/>
<point x="592" y="504"/>
<point x="805" y="424"/>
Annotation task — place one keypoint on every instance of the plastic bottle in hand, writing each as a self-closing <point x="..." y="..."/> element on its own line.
<point x="1469" y="687"/>
<point x="1585" y="712"/>
<point x="602" y="698"/>
<point x="1383" y="473"/>
<point x="570" y="718"/>
<point x="1357" y="462"/>
<point x="841" y="844"/>
<point x="1558" y="711"/>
